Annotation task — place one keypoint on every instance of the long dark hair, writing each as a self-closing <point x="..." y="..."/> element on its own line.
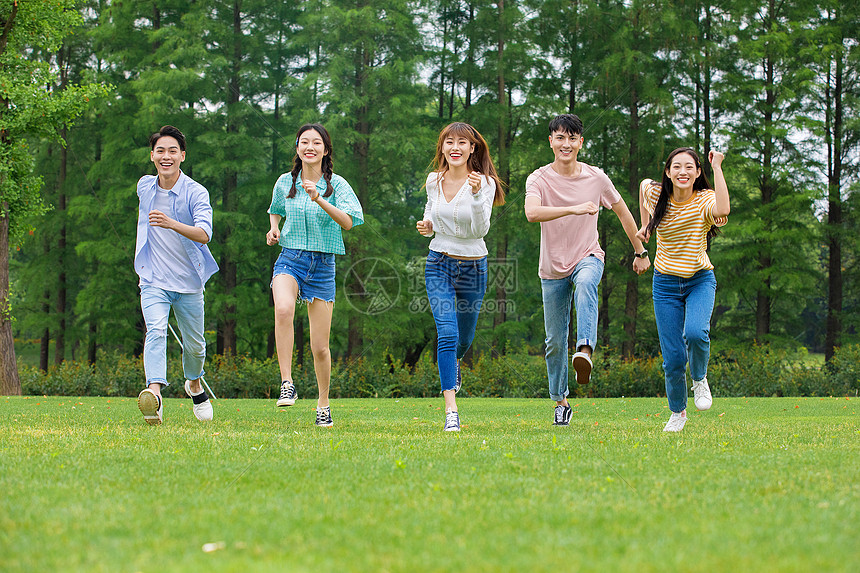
<point x="701" y="182"/>
<point x="327" y="163"/>
<point x="479" y="160"/>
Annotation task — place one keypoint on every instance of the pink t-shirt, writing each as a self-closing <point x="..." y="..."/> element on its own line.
<point x="567" y="240"/>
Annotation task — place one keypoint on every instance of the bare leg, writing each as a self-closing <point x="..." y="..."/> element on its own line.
<point x="319" y="316"/>
<point x="285" y="289"/>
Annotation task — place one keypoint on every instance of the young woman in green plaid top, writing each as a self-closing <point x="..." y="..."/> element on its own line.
<point x="316" y="206"/>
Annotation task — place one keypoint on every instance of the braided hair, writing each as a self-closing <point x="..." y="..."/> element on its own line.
<point x="327" y="163"/>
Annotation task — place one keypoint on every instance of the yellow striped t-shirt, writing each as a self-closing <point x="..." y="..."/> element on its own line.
<point x="682" y="234"/>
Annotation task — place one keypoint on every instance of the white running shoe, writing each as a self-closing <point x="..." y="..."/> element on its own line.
<point x="702" y="394"/>
<point x="582" y="366"/>
<point x="150" y="406"/>
<point x="202" y="407"/>
<point x="676" y="422"/>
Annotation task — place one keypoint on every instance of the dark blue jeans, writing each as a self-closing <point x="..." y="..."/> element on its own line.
<point x="683" y="309"/>
<point x="455" y="290"/>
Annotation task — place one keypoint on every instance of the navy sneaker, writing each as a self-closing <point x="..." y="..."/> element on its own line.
<point x="324" y="417"/>
<point x="288" y="394"/>
<point x="562" y="415"/>
<point x="459" y="379"/>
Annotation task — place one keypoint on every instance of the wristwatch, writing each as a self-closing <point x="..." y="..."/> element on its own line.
<point x="642" y="255"/>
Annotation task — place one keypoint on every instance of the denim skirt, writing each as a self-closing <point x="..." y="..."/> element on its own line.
<point x="313" y="271"/>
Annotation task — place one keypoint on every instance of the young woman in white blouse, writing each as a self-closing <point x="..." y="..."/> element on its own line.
<point x="461" y="192"/>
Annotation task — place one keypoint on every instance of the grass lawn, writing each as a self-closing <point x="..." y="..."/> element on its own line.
<point x="764" y="484"/>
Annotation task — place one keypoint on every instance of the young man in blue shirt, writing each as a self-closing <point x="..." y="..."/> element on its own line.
<point x="174" y="224"/>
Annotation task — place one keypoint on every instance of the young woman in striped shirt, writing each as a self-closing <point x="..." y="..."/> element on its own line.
<point x="685" y="212"/>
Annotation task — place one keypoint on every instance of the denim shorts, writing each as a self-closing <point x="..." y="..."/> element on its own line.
<point x="314" y="271"/>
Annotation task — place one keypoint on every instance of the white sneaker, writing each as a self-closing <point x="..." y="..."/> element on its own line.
<point x="202" y="407"/>
<point x="150" y="406"/>
<point x="676" y="422"/>
<point x="582" y="366"/>
<point x="452" y="421"/>
<point x="702" y="394"/>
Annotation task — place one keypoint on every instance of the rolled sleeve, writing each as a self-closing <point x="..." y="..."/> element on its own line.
<point x="279" y="195"/>
<point x="202" y="210"/>
<point x="346" y="200"/>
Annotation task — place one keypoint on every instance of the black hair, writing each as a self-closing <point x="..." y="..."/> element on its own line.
<point x="167" y="131"/>
<point x="327" y="163"/>
<point x="567" y="123"/>
<point x="701" y="182"/>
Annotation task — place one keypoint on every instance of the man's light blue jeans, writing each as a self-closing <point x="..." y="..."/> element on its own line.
<point x="188" y="310"/>
<point x="683" y="309"/>
<point x="581" y="287"/>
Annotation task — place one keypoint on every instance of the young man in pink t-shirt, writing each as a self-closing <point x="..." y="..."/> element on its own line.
<point x="564" y="198"/>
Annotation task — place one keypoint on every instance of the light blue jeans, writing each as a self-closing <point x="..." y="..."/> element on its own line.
<point x="188" y="309"/>
<point x="683" y="309"/>
<point x="455" y="291"/>
<point x="581" y="287"/>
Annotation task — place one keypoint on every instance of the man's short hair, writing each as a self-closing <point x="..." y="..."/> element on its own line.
<point x="567" y="123"/>
<point x="167" y="131"/>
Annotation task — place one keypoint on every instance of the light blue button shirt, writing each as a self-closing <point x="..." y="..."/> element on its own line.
<point x="190" y="206"/>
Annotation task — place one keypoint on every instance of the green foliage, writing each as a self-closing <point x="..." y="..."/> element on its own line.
<point x="754" y="371"/>
<point x="384" y="77"/>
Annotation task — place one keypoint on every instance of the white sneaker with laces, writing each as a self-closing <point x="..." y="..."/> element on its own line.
<point x="452" y="421"/>
<point x="676" y="422"/>
<point x="702" y="394"/>
<point x="202" y="407"/>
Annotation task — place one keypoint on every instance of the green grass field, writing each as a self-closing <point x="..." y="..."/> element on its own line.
<point x="766" y="484"/>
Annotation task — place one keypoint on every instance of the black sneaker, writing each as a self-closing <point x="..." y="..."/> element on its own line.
<point x="288" y="394"/>
<point x="324" y="417"/>
<point x="459" y="379"/>
<point x="562" y="415"/>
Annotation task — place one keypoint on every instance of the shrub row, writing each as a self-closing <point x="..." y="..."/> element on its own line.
<point x="754" y="371"/>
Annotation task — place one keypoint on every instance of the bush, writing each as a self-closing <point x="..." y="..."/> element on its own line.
<point x="752" y="371"/>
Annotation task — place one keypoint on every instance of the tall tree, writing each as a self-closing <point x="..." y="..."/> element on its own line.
<point x="27" y="108"/>
<point x="838" y="91"/>
<point x="764" y="91"/>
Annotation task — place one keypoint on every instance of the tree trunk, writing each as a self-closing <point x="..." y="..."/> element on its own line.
<point x="767" y="187"/>
<point x="60" y="339"/>
<point x="470" y="60"/>
<point x="92" y="347"/>
<point x="10" y="383"/>
<point x="361" y="153"/>
<point x="834" y="219"/>
<point x="631" y="305"/>
<point x="229" y="271"/>
<point x="504" y="166"/>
